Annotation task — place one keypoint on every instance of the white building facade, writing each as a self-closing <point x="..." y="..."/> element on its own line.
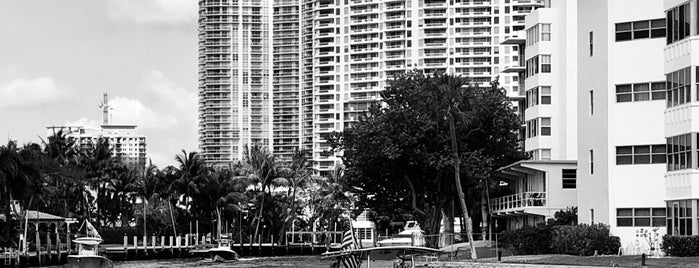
<point x="546" y="66"/>
<point x="680" y="68"/>
<point x="621" y="103"/>
<point x="124" y="140"/>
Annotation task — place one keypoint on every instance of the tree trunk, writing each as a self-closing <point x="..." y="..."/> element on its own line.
<point x="145" y="219"/>
<point x="259" y="216"/>
<point x="459" y="189"/>
<point x="7" y="204"/>
<point x="484" y="213"/>
<point x="172" y="218"/>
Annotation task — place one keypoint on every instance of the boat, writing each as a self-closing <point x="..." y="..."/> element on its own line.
<point x="88" y="255"/>
<point x="223" y="251"/>
<point x="411" y="235"/>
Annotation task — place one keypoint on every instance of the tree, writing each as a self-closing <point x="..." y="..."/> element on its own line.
<point x="433" y="139"/>
<point x="293" y="174"/>
<point x="192" y="169"/>
<point x="97" y="161"/>
<point x="147" y="186"/>
<point x="19" y="177"/>
<point x="262" y="166"/>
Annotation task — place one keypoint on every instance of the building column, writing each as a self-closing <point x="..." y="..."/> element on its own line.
<point x="695" y="221"/>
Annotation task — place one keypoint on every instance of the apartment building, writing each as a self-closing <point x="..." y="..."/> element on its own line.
<point x="358" y="45"/>
<point x="286" y="74"/>
<point x="237" y="80"/>
<point x="680" y="69"/>
<point x="124" y="140"/>
<point x="621" y="98"/>
<point x="546" y="68"/>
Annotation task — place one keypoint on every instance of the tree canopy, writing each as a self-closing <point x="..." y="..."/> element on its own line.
<point x="399" y="157"/>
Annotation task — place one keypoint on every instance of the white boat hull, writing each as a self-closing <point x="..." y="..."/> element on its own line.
<point x="83" y="261"/>
<point x="224" y="253"/>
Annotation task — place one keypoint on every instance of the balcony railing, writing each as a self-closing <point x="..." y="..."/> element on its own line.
<point x="520" y="200"/>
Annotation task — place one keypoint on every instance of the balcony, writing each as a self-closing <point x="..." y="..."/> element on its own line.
<point x="520" y="201"/>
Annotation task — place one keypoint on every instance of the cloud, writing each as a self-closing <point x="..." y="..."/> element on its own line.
<point x="28" y="92"/>
<point x="130" y="111"/>
<point x="153" y="11"/>
<point x="173" y="96"/>
<point x="84" y="122"/>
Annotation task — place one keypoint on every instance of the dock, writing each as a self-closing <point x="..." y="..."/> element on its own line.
<point x="165" y="247"/>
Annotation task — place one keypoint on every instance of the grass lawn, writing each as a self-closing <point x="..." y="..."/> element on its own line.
<point x="619" y="261"/>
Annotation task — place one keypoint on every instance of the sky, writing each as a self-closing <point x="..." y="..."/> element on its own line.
<point x="57" y="58"/>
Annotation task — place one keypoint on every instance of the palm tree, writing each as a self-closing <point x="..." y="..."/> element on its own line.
<point x="332" y="196"/>
<point x="64" y="177"/>
<point x="122" y="182"/>
<point x="225" y="189"/>
<point x="19" y="177"/>
<point x="191" y="169"/>
<point x="98" y="161"/>
<point x="147" y="187"/>
<point x="262" y="167"/>
<point x="451" y="101"/>
<point x="293" y="175"/>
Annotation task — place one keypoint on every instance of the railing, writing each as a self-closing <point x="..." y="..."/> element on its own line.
<point x="520" y="200"/>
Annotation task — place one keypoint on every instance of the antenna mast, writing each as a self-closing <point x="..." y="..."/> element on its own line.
<point x="105" y="109"/>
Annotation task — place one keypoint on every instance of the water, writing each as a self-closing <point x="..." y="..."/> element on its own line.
<point x="286" y="261"/>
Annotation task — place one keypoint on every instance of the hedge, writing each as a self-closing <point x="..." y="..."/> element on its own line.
<point x="584" y="240"/>
<point x="681" y="246"/>
<point x="579" y="239"/>
<point x="527" y="240"/>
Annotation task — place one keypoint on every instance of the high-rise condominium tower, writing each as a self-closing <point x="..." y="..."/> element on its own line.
<point x="287" y="73"/>
<point x="249" y="77"/>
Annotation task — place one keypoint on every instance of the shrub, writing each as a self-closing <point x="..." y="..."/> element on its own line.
<point x="564" y="217"/>
<point x="527" y="240"/>
<point x="583" y="240"/>
<point x="681" y="246"/>
<point x="115" y="235"/>
<point x="579" y="239"/>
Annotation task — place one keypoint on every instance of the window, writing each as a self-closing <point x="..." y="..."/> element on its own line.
<point x="546" y="95"/>
<point x="679" y="152"/>
<point x="545" y="63"/>
<point x="546" y="126"/>
<point x="640" y="154"/>
<point x="697" y="81"/>
<point x="640" y="217"/>
<point x="591" y="48"/>
<point x="677" y="20"/>
<point x="592" y="102"/>
<point x="532" y="65"/>
<point x="592" y="162"/>
<point x="640" y="92"/>
<point x="545" y="154"/>
<point x="532" y="97"/>
<point x="532" y="126"/>
<point x="677" y="84"/>
<point x="642" y="29"/>
<point x="540" y="154"/>
<point x="657" y="90"/>
<point x="538" y="95"/>
<point x="544" y="123"/>
<point x="533" y="35"/>
<point x="545" y="32"/>
<point x="679" y="217"/>
<point x="569" y="178"/>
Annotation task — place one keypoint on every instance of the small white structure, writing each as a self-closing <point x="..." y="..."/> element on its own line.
<point x="365" y="230"/>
